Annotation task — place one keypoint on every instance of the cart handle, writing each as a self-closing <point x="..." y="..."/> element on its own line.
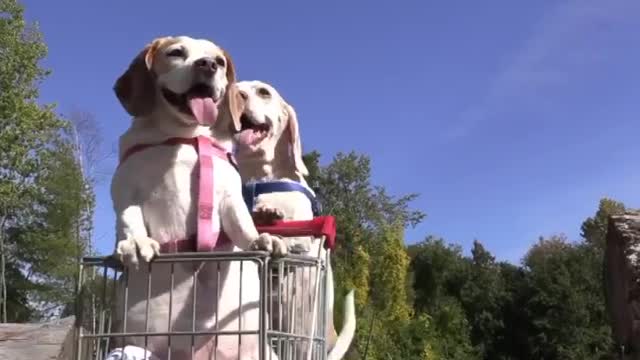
<point x="319" y="226"/>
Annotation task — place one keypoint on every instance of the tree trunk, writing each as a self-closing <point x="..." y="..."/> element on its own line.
<point x="622" y="281"/>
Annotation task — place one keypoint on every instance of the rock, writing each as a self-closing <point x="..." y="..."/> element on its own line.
<point x="622" y="280"/>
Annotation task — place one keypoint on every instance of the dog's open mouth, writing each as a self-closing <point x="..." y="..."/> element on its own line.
<point x="199" y="102"/>
<point x="252" y="132"/>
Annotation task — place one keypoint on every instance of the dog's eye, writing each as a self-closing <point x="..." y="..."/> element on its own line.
<point x="264" y="92"/>
<point x="220" y="61"/>
<point x="176" y="53"/>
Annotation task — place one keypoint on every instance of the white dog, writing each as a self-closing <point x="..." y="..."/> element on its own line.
<point x="174" y="89"/>
<point x="274" y="156"/>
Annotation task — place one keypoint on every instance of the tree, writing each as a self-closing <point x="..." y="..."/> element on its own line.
<point x="370" y="225"/>
<point x="51" y="250"/>
<point x="87" y="139"/>
<point x="439" y="276"/>
<point x="483" y="297"/>
<point x="594" y="229"/>
<point x="439" y="272"/>
<point x="39" y="178"/>
<point x="389" y="314"/>
<point x="512" y="340"/>
<point x="565" y="306"/>
<point x="350" y="252"/>
<point x="390" y="269"/>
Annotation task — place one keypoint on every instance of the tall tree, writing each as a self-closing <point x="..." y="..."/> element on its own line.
<point x="439" y="276"/>
<point x="87" y="141"/>
<point x="390" y="269"/>
<point x="36" y="168"/>
<point x="49" y="251"/>
<point x="439" y="272"/>
<point x="370" y="225"/>
<point x="483" y="297"/>
<point x="512" y="340"/>
<point x="389" y="312"/>
<point x="565" y="307"/>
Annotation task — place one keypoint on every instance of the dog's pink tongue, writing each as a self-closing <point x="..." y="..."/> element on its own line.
<point x="247" y="137"/>
<point x="204" y="110"/>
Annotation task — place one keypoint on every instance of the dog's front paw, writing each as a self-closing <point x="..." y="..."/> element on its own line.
<point x="271" y="243"/>
<point x="266" y="215"/>
<point x="298" y="246"/>
<point x="130" y="249"/>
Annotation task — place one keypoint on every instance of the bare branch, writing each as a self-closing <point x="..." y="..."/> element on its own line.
<point x="88" y="141"/>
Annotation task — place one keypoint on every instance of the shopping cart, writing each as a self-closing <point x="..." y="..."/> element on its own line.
<point x="292" y="304"/>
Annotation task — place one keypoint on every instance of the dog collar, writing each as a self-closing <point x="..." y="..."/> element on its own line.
<point x="251" y="190"/>
<point x="220" y="151"/>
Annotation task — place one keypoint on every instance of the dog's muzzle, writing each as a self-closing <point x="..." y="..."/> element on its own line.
<point x="205" y="68"/>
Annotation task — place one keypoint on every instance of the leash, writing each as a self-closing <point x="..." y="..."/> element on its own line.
<point x="206" y="148"/>
<point x="251" y="190"/>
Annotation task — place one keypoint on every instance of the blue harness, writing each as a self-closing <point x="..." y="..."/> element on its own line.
<point x="250" y="191"/>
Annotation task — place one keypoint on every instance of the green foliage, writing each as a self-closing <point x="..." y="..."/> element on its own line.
<point x="370" y="256"/>
<point x="551" y="307"/>
<point x="96" y="296"/>
<point x="439" y="274"/>
<point x="390" y="265"/>
<point x="45" y="204"/>
<point x="483" y="296"/>
<point x="18" y="287"/>
<point x="594" y="229"/>
<point x="565" y="302"/>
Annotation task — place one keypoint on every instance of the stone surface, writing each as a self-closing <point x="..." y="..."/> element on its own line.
<point x="622" y="280"/>
<point x="51" y="340"/>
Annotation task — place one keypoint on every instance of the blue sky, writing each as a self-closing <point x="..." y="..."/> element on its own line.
<point x="510" y="118"/>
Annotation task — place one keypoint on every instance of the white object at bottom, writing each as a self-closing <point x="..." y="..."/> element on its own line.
<point x="130" y="353"/>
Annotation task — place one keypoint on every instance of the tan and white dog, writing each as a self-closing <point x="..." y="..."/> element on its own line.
<point x="276" y="155"/>
<point x="173" y="89"/>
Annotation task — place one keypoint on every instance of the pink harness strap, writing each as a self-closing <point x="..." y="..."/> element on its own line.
<point x="207" y="237"/>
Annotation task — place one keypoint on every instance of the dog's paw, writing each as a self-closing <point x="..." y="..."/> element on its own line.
<point x="266" y="215"/>
<point x="270" y="243"/>
<point x="130" y="250"/>
<point x="279" y="247"/>
<point x="298" y="246"/>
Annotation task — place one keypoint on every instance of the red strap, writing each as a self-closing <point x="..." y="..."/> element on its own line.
<point x="319" y="226"/>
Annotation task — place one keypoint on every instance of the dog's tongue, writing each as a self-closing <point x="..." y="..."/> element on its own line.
<point x="204" y="110"/>
<point x="247" y="137"/>
<point x="250" y="137"/>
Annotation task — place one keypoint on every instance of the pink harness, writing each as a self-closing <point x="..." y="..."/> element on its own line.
<point x="206" y="238"/>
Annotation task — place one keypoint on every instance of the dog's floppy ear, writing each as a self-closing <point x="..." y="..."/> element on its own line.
<point x="231" y="69"/>
<point x="232" y="106"/>
<point x="135" y="88"/>
<point x="295" y="145"/>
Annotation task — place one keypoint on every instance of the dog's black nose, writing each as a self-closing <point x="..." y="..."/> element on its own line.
<point x="206" y="65"/>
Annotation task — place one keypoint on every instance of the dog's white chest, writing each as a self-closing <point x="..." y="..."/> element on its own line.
<point x="165" y="184"/>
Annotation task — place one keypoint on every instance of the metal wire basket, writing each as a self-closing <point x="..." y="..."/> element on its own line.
<point x="172" y="305"/>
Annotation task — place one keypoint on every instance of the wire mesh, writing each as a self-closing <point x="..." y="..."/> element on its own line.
<point x="203" y="306"/>
<point x="296" y="309"/>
